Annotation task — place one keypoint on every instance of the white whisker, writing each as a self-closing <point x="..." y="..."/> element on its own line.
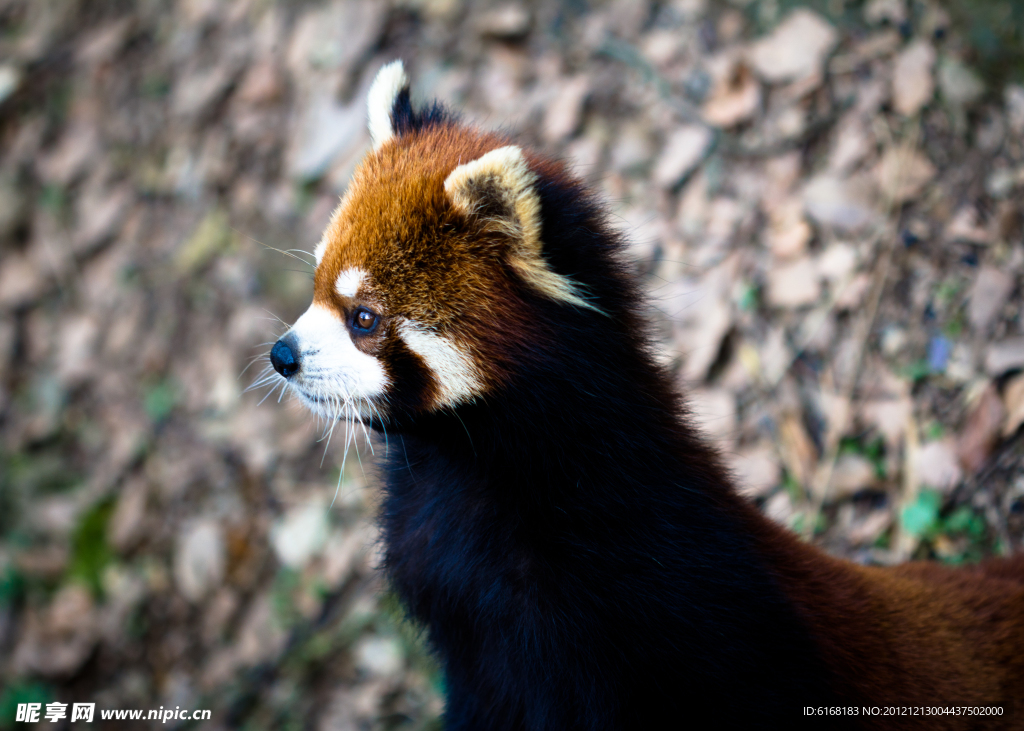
<point x="250" y="363"/>
<point x="270" y="392"/>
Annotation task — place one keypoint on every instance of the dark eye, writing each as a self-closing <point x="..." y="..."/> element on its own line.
<point x="364" y="320"/>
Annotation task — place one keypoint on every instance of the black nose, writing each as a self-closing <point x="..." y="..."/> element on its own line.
<point x="284" y="356"/>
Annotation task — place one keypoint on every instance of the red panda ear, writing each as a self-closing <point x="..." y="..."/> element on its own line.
<point x="499" y="189"/>
<point x="389" y="83"/>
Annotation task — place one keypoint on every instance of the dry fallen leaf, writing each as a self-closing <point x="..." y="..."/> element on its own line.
<point x="127" y="525"/>
<point x="1014" y="96"/>
<point x="988" y="296"/>
<point x="795" y="49"/>
<point x="964" y="227"/>
<point x="701" y="342"/>
<point x="936" y="465"/>
<point x="684" y="150"/>
<point x="960" y="86"/>
<point x="841" y="204"/>
<point x="981" y="432"/>
<point x="851" y="474"/>
<point x="704" y="317"/>
<point x="867" y="530"/>
<point x="1013" y="401"/>
<point x="798" y="451"/>
<point x="735" y="98"/>
<point x="851" y="296"/>
<point x="714" y="412"/>
<point x="913" y="84"/>
<point x="756" y="469"/>
<point x="788" y="234"/>
<point x="57" y="640"/>
<point x="850" y="145"/>
<point x="261" y="85"/>
<point x="892" y="11"/>
<point x="20" y="280"/>
<point x="1005" y="355"/>
<point x="902" y="173"/>
<point x="200" y="559"/>
<point x="889" y="416"/>
<point x="506" y="21"/>
<point x="794" y="284"/>
<point x="780" y="508"/>
<point x="74" y="153"/>
<point x="837" y="262"/>
<point x="197" y="93"/>
<point x="563" y="114"/>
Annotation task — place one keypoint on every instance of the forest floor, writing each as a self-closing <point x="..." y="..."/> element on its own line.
<point x="826" y="211"/>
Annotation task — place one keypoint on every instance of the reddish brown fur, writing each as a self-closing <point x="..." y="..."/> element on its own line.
<point x="917" y="634"/>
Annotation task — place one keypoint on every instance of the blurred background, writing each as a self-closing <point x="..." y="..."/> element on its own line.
<point x="823" y="199"/>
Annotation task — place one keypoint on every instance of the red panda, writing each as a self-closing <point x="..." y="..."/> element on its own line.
<point x="576" y="552"/>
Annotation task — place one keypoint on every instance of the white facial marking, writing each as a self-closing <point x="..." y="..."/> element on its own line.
<point x="332" y="369"/>
<point x="318" y="252"/>
<point x="348" y="282"/>
<point x="390" y="80"/>
<point x="453" y="368"/>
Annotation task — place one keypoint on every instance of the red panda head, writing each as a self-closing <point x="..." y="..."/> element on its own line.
<point x="425" y="269"/>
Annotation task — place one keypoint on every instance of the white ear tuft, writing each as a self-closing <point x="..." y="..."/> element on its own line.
<point x="499" y="187"/>
<point x="388" y="84"/>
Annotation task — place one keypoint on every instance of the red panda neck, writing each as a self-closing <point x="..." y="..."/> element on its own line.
<point x="584" y="467"/>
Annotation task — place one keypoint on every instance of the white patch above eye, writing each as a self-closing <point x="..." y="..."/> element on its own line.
<point x="348" y="282"/>
<point x="388" y="84"/>
<point x="453" y="368"/>
<point x="332" y="369"/>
